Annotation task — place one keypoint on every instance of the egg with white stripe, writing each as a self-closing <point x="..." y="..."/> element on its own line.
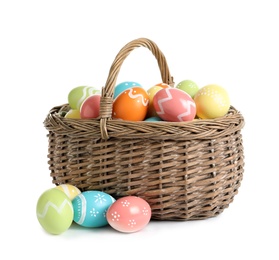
<point x="131" y="104"/>
<point x="174" y="105"/>
<point x="54" y="211"/>
<point x="78" y="94"/>
<point x="90" y="208"/>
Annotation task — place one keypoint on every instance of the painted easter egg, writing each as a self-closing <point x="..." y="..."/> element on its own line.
<point x="153" y="119"/>
<point x="129" y="214"/>
<point x="90" y="208"/>
<point x="73" y="113"/>
<point x="54" y="211"/>
<point x="78" y="94"/>
<point x="70" y="190"/>
<point x="163" y="85"/>
<point x="212" y="101"/>
<point x="175" y="105"/>
<point x="151" y="93"/>
<point x="123" y="86"/>
<point x="189" y="87"/>
<point x="131" y="104"/>
<point x="90" y="108"/>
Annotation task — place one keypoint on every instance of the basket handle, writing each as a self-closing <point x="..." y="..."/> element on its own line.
<point x="108" y="90"/>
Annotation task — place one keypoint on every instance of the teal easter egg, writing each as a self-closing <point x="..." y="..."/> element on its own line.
<point x="123" y="86"/>
<point x="78" y="94"/>
<point x="90" y="208"/>
<point x="54" y="211"/>
<point x="189" y="87"/>
<point x="153" y="119"/>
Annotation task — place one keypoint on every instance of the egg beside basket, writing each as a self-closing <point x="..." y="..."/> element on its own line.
<point x="184" y="170"/>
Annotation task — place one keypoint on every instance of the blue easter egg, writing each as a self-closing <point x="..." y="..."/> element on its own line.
<point x="153" y="119"/>
<point x="123" y="86"/>
<point x="90" y="208"/>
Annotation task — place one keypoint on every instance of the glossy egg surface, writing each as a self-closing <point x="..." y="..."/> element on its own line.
<point x="70" y="190"/>
<point x="119" y="88"/>
<point x="212" y="101"/>
<point x="129" y="214"/>
<point x="78" y="94"/>
<point x="90" y="208"/>
<point x="54" y="211"/>
<point x="131" y="104"/>
<point x="90" y="107"/>
<point x="174" y="105"/>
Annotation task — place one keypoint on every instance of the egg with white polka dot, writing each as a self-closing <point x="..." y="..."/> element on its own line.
<point x="124" y="86"/>
<point x="212" y="101"/>
<point x="129" y="214"/>
<point x="90" y="208"/>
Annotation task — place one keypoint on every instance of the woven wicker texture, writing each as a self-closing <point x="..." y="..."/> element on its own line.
<point x="184" y="170"/>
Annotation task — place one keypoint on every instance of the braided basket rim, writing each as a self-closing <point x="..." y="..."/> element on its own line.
<point x="195" y="129"/>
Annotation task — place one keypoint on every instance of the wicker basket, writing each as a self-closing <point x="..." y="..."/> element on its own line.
<point x="184" y="170"/>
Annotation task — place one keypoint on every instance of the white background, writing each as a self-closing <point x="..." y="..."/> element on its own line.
<point x="49" y="47"/>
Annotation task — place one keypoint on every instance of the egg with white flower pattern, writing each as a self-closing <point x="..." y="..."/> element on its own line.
<point x="129" y="214"/>
<point x="90" y="208"/>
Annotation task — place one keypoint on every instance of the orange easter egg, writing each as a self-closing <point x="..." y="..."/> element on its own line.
<point x="131" y="104"/>
<point x="163" y="85"/>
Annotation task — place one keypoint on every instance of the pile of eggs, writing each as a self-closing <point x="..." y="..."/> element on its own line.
<point x="184" y="102"/>
<point x="58" y="207"/>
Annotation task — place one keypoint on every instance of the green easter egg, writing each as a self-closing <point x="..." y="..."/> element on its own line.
<point x="55" y="211"/>
<point x="78" y="94"/>
<point x="189" y="87"/>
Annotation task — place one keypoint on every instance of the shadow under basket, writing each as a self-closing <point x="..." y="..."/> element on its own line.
<point x="184" y="170"/>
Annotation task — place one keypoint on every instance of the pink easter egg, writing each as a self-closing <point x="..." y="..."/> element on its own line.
<point x="175" y="105"/>
<point x="90" y="108"/>
<point x="129" y="214"/>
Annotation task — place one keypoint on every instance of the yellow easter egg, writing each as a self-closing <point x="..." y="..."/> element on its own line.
<point x="151" y="93"/>
<point x="70" y="190"/>
<point x="212" y="101"/>
<point x="73" y="113"/>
